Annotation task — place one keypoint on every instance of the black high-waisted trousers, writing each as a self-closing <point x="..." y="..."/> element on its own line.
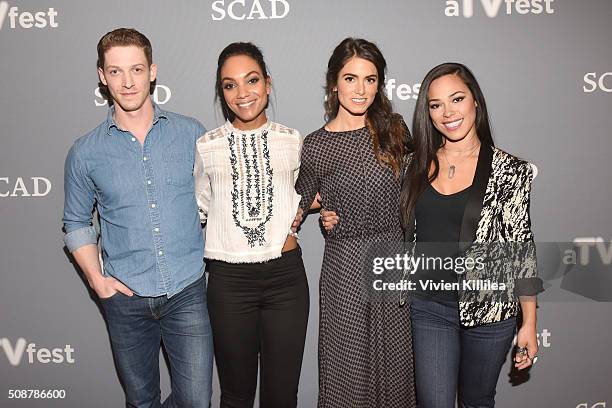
<point x="259" y="311"/>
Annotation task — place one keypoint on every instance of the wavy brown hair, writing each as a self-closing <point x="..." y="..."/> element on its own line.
<point x="390" y="135"/>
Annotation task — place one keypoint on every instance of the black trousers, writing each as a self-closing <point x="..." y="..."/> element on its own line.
<point x="259" y="311"/>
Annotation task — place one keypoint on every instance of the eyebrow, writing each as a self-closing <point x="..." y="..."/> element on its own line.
<point x="450" y="96"/>
<point x="131" y="66"/>
<point x="355" y="75"/>
<point x="246" y="75"/>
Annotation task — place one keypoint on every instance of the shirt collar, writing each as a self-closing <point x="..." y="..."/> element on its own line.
<point x="110" y="121"/>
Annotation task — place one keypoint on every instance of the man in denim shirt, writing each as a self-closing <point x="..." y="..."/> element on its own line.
<point x="136" y="167"/>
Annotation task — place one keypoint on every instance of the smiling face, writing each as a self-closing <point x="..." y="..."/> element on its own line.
<point x="452" y="108"/>
<point x="357" y="86"/>
<point x="128" y="76"/>
<point x="245" y="90"/>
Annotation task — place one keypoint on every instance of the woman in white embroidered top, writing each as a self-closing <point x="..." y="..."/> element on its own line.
<point x="257" y="289"/>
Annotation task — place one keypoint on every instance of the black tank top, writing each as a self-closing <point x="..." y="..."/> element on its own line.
<point x="438" y="226"/>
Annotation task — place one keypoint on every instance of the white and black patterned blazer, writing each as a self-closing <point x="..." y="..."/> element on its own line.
<point x="497" y="214"/>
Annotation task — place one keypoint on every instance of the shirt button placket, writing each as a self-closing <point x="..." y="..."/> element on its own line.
<point x="154" y="214"/>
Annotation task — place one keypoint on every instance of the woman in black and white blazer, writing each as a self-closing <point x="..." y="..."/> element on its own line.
<point x="459" y="189"/>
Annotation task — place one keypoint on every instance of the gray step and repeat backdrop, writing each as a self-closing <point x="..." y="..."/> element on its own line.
<point x="545" y="67"/>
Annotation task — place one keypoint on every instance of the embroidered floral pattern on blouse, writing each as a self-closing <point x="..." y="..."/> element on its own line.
<point x="252" y="186"/>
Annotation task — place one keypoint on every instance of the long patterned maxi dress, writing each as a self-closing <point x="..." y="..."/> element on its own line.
<point x="365" y="345"/>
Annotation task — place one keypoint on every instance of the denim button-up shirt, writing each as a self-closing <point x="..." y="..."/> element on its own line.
<point x="151" y="237"/>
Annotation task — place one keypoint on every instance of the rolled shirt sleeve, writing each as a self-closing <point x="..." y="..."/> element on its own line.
<point x="79" y="200"/>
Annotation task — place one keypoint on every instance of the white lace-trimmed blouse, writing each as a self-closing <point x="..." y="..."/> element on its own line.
<point x="244" y="184"/>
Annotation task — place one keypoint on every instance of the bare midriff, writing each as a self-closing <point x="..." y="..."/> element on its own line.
<point x="290" y="243"/>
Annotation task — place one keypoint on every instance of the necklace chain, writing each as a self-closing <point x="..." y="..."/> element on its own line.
<point x="451" y="167"/>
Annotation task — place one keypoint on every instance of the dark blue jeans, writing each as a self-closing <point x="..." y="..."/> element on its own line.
<point x="451" y="359"/>
<point x="138" y="325"/>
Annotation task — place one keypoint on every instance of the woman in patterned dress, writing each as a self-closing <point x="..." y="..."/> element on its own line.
<point x="258" y="295"/>
<point x="460" y="189"/>
<point x="354" y="161"/>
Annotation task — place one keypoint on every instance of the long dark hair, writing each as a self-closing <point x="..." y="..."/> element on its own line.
<point x="427" y="139"/>
<point x="389" y="134"/>
<point x="237" y="48"/>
